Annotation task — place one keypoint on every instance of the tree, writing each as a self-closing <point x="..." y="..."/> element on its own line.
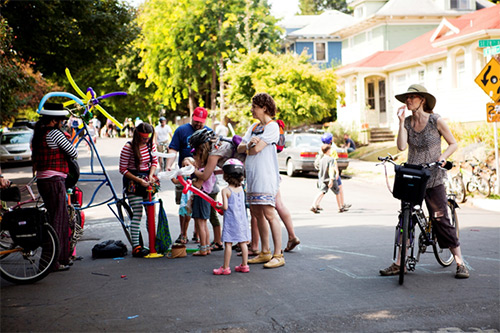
<point x="184" y="43"/>
<point x="315" y="7"/>
<point x="304" y="94"/>
<point x="57" y="34"/>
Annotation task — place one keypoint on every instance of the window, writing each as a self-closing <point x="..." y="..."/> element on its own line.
<point x="320" y="51"/>
<point x="460" y="73"/>
<point x="371" y="95"/>
<point x="381" y="95"/>
<point x="421" y="76"/>
<point x="460" y="4"/>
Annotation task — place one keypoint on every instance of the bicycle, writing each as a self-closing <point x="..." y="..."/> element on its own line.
<point x="409" y="187"/>
<point x="478" y="182"/>
<point x="29" y="246"/>
<point x="455" y="185"/>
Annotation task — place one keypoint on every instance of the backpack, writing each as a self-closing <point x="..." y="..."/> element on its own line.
<point x="281" y="140"/>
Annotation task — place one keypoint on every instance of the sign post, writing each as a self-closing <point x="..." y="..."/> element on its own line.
<point x="489" y="80"/>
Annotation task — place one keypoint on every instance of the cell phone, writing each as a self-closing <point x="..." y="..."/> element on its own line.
<point x="400" y="111"/>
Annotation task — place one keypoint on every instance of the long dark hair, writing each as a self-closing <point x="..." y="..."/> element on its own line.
<point x="136" y="140"/>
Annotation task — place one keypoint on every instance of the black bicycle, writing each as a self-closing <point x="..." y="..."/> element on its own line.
<point x="29" y="246"/>
<point x="409" y="187"/>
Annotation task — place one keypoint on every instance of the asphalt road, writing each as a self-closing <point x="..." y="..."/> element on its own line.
<point x="330" y="283"/>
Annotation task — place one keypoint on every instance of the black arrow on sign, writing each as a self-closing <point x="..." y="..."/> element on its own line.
<point x="485" y="80"/>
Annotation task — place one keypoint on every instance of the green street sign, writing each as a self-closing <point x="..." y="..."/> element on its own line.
<point x="491" y="50"/>
<point x="489" y="42"/>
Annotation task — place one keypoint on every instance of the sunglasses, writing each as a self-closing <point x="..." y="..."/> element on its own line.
<point x="412" y="96"/>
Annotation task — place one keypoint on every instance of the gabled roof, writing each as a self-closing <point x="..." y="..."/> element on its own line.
<point x="324" y="24"/>
<point x="431" y="43"/>
<point x="404" y="9"/>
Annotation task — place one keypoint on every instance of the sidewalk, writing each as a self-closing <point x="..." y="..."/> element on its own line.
<point x="369" y="170"/>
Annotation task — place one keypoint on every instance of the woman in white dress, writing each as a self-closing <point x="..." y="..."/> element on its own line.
<point x="262" y="175"/>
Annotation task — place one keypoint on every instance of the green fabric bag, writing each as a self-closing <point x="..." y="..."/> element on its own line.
<point x="163" y="239"/>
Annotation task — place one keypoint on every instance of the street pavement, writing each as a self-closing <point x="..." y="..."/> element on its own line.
<point x="330" y="283"/>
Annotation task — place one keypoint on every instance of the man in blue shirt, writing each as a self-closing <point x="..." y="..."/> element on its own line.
<point x="349" y="143"/>
<point x="180" y="144"/>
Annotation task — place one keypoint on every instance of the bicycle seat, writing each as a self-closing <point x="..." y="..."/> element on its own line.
<point x="10" y="194"/>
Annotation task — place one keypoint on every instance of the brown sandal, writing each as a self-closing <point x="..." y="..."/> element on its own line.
<point x="292" y="243"/>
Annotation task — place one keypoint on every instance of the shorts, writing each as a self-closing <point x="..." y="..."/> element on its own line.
<point x="339" y="181"/>
<point x="201" y="208"/>
<point x="323" y="187"/>
<point x="214" y="219"/>
<point x="178" y="193"/>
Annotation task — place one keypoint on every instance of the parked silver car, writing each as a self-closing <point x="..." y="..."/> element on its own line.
<point x="15" y="145"/>
<point x="300" y="152"/>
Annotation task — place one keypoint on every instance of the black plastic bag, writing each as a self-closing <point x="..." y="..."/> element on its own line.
<point x="109" y="249"/>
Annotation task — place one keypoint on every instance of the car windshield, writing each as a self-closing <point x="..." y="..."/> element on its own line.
<point x="308" y="140"/>
<point x="13" y="138"/>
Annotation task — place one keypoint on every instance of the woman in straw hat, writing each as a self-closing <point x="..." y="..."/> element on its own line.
<point x="422" y="132"/>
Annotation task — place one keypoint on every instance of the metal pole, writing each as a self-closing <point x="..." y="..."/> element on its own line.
<point x="495" y="135"/>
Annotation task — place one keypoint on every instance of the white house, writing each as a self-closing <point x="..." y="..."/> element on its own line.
<point x="446" y="60"/>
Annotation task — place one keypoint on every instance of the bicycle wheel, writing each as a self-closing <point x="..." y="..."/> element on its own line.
<point x="458" y="185"/>
<point x="471" y="186"/>
<point x="443" y="255"/>
<point x="28" y="267"/>
<point x="483" y="187"/>
<point x="404" y="240"/>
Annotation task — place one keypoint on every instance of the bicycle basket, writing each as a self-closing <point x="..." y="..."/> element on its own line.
<point x="25" y="226"/>
<point x="410" y="182"/>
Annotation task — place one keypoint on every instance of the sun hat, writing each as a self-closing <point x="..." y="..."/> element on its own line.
<point x="418" y="89"/>
<point x="54" y="110"/>
<point x="200" y="114"/>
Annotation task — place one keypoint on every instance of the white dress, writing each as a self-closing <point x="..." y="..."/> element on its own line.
<point x="262" y="171"/>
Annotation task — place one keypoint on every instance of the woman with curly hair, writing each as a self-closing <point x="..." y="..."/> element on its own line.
<point x="263" y="177"/>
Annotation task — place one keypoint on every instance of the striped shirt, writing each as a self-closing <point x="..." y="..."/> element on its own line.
<point x="57" y="140"/>
<point x="127" y="160"/>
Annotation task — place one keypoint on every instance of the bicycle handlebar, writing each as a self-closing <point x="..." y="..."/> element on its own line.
<point x="447" y="166"/>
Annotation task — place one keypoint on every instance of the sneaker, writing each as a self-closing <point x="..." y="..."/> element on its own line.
<point x="277" y="261"/>
<point x="242" y="269"/>
<point x="347" y="206"/>
<point x="263" y="257"/>
<point x="341" y="210"/>
<point x="391" y="270"/>
<point x="139" y="252"/>
<point x="462" y="272"/>
<point x="315" y="210"/>
<point x="222" y="271"/>
<point x="319" y="208"/>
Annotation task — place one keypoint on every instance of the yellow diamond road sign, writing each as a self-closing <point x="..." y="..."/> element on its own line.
<point x="489" y="79"/>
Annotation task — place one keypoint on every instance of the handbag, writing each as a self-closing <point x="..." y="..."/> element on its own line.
<point x="163" y="238"/>
<point x="177" y="251"/>
<point x="73" y="173"/>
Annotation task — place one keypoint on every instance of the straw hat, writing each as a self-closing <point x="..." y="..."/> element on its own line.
<point x="418" y="89"/>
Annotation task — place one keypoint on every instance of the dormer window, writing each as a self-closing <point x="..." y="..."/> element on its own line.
<point x="460" y="4"/>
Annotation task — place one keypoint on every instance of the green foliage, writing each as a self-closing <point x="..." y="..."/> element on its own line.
<point x="304" y="94"/>
<point x="338" y="132"/>
<point x="315" y="7"/>
<point x="470" y="134"/>
<point x="184" y="42"/>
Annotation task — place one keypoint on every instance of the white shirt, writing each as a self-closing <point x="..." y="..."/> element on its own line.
<point x="163" y="133"/>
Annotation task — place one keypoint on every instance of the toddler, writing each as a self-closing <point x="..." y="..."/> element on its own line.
<point x="235" y="218"/>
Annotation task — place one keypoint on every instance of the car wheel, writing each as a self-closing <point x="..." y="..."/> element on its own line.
<point x="290" y="168"/>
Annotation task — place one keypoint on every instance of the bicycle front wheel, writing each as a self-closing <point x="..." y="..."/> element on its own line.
<point x="404" y="240"/>
<point x="23" y="267"/>
<point x="458" y="185"/>
<point x="443" y="255"/>
<point x="484" y="187"/>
